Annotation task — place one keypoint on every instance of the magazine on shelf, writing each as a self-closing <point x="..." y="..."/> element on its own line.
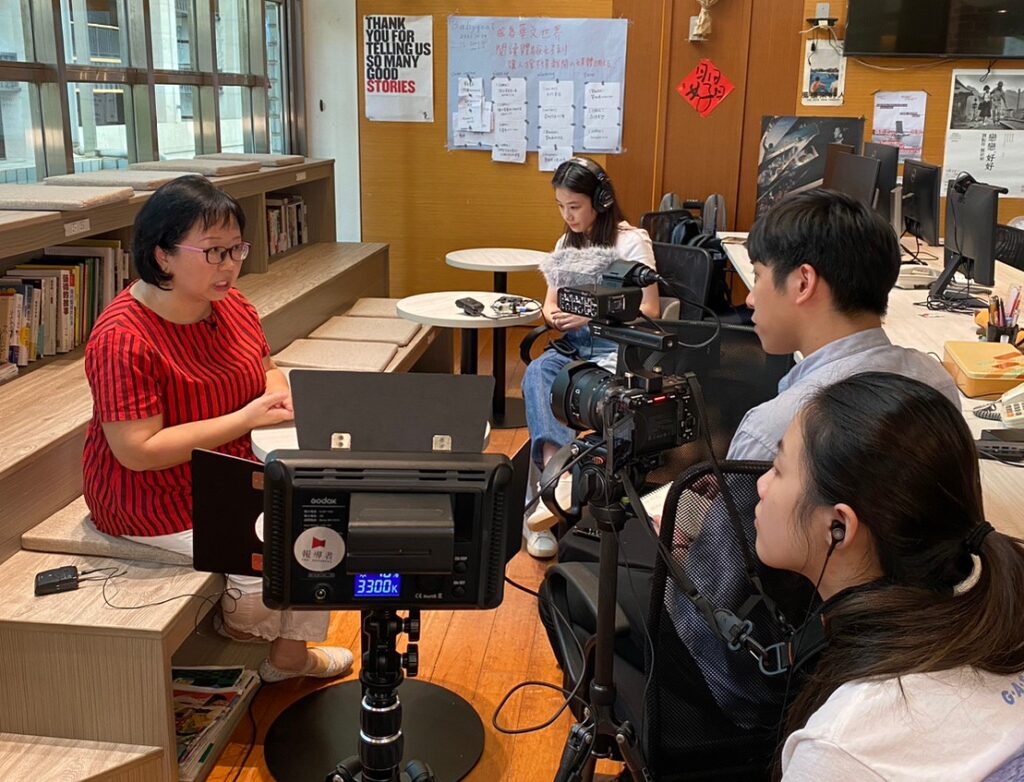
<point x="204" y="699"/>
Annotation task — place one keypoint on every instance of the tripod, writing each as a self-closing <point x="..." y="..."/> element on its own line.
<point x="600" y="734"/>
<point x="380" y="739"/>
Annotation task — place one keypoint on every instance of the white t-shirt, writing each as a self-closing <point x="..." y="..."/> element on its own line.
<point x="960" y="725"/>
<point x="632" y="244"/>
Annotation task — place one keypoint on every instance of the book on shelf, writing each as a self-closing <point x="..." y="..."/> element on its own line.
<point x="20" y="345"/>
<point x="287" y="224"/>
<point x="205" y="698"/>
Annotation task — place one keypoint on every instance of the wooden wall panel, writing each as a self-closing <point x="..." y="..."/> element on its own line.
<point x="702" y="155"/>
<point x="863" y="81"/>
<point x="774" y="53"/>
<point x="425" y="201"/>
<point x="637" y="172"/>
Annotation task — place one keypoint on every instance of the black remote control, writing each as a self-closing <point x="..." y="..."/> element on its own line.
<point x="470" y="306"/>
<point x="60" y="579"/>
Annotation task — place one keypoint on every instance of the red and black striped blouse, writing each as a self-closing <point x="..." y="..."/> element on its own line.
<point x="140" y="365"/>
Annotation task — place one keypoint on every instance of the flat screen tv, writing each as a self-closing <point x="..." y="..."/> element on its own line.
<point x="935" y="28"/>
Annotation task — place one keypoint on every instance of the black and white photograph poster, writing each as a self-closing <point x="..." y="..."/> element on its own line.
<point x="985" y="132"/>
<point x="793" y="149"/>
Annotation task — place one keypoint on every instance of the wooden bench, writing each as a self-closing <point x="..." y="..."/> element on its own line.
<point x="48" y="759"/>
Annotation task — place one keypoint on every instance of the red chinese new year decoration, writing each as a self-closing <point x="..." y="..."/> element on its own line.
<point x="705" y="87"/>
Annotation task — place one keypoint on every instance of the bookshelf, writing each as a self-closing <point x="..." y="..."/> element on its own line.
<point x="23" y="235"/>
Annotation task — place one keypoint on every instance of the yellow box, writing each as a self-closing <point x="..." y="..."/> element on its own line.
<point x="984" y="369"/>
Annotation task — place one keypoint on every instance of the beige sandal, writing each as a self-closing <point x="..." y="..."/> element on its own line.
<point x="324" y="662"/>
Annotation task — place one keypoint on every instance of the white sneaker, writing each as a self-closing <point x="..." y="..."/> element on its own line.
<point x="543" y="519"/>
<point x="541" y="545"/>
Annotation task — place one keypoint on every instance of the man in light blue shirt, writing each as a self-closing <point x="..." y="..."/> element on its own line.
<point x="823" y="268"/>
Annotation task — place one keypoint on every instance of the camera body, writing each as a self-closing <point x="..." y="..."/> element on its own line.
<point x="647" y="414"/>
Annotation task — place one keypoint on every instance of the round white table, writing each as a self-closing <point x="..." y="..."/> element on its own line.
<point x="438" y="309"/>
<point x="500" y="261"/>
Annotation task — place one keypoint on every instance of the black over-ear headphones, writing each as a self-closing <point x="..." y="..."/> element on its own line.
<point x="603" y="197"/>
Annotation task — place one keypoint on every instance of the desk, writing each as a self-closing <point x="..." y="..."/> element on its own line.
<point x="438" y="309"/>
<point x="500" y="261"/>
<point x="912" y="326"/>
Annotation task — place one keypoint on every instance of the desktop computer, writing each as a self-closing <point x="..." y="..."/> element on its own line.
<point x="919" y="201"/>
<point x="857" y="177"/>
<point x="972" y="210"/>
<point x="888" y="157"/>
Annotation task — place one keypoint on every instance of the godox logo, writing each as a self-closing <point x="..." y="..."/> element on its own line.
<point x="324" y="501"/>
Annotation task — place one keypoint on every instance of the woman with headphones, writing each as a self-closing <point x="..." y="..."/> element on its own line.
<point x="595" y="234"/>
<point x="922" y="674"/>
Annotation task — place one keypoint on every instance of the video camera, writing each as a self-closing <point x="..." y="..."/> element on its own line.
<point x="643" y="411"/>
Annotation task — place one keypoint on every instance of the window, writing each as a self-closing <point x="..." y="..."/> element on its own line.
<point x="276" y="73"/>
<point x="232" y="36"/>
<point x="99" y="133"/>
<point x="175" y="129"/>
<point x="15" y="31"/>
<point x="173" y="26"/>
<point x="235" y="119"/>
<point x="95" y="33"/>
<point x="19" y="123"/>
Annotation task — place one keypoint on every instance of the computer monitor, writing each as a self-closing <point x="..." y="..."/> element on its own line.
<point x="921" y="200"/>
<point x="857" y="176"/>
<point x="971" y="216"/>
<point x="832" y="153"/>
<point x="888" y="157"/>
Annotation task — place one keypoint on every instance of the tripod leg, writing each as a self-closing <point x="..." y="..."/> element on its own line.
<point x="631" y="754"/>
<point x="418" y="771"/>
<point x="576" y="754"/>
<point x="347" y="770"/>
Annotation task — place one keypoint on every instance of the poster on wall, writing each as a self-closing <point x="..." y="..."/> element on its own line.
<point x="398" y="68"/>
<point x="899" y="121"/>
<point x="824" y="73"/>
<point x="792" y="154"/>
<point x="985" y="130"/>
<point x="557" y="83"/>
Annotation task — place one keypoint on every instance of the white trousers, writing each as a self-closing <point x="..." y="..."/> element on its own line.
<point x="242" y="604"/>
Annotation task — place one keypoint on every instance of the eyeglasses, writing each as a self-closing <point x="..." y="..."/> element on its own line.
<point x="215" y="256"/>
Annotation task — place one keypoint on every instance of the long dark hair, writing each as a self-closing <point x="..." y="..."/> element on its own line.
<point x="580" y="179"/>
<point x="901" y="455"/>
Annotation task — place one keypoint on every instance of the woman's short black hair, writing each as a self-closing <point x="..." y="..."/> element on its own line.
<point x="850" y="246"/>
<point x="170" y="213"/>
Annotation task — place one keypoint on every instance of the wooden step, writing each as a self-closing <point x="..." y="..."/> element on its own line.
<point x="48" y="759"/>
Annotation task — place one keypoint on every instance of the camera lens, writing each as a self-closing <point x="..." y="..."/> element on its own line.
<point x="578" y="395"/>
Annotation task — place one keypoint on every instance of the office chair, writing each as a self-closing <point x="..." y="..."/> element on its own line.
<point x="702" y="712"/>
<point x="690" y="269"/>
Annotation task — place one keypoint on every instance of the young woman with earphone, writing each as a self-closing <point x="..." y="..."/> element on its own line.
<point x="596" y="233"/>
<point x="875" y="496"/>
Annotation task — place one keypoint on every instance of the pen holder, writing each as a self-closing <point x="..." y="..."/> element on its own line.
<point x="1006" y="334"/>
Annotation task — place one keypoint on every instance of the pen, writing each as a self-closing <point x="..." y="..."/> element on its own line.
<point x="993" y="312"/>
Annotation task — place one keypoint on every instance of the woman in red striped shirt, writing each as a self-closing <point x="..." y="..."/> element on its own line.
<point x="179" y="361"/>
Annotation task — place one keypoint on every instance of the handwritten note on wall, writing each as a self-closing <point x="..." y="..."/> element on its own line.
<point x="557" y="82"/>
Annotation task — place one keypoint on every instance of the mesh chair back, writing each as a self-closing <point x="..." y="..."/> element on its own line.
<point x="690" y="269"/>
<point x="1012" y="770"/>
<point x="710" y="711"/>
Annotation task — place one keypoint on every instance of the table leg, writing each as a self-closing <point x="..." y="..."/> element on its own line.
<point x="508" y="413"/>
<point x="470" y="346"/>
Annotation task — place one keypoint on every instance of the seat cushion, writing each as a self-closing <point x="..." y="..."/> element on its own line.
<point x="337" y="354"/>
<point x="395" y="331"/>
<point x="374" y="308"/>
<point x="138" y="180"/>
<point x="263" y="158"/>
<point x="34" y="197"/>
<point x="206" y="167"/>
<point x="70" y="531"/>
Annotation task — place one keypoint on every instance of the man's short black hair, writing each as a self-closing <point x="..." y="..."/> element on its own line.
<point x="850" y="246"/>
<point x="170" y="213"/>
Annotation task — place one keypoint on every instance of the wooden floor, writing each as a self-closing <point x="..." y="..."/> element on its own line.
<point x="478" y="654"/>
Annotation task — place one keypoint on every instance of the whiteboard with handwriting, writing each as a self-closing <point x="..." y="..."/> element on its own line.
<point x="557" y="82"/>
